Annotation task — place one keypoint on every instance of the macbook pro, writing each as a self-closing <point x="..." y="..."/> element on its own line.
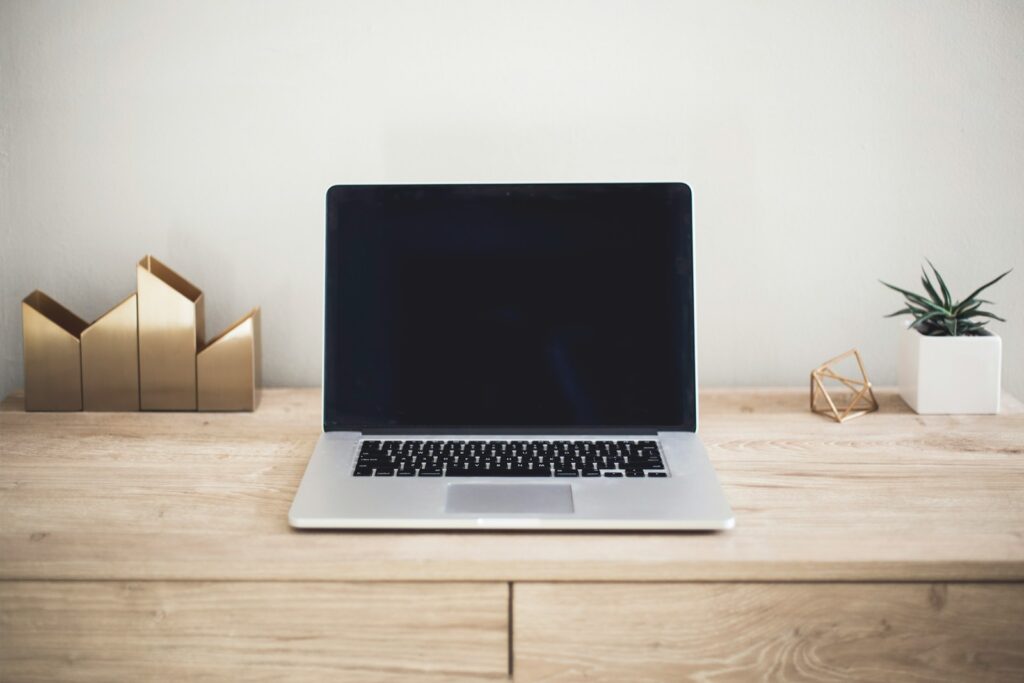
<point x="510" y="356"/>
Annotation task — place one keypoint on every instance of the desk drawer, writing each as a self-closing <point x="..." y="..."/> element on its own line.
<point x="784" y="631"/>
<point x="158" y="630"/>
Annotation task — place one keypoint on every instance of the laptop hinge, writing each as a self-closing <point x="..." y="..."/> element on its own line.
<point x="540" y="433"/>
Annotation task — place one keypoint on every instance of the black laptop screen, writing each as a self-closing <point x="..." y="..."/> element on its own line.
<point x="509" y="308"/>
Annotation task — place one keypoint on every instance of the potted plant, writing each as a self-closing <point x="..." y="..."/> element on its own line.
<point x="949" y="362"/>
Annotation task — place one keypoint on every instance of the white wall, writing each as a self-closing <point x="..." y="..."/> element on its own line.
<point x="829" y="144"/>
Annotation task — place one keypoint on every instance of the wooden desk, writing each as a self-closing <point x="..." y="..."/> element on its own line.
<point x="156" y="546"/>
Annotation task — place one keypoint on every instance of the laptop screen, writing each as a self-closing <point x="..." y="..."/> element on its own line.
<point x="509" y="308"/>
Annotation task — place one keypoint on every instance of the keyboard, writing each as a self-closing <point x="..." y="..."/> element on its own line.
<point x="460" y="458"/>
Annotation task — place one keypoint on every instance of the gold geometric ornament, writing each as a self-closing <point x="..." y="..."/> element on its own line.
<point x="170" y="334"/>
<point x="228" y="367"/>
<point x="110" y="359"/>
<point x="53" y="360"/>
<point x="145" y="353"/>
<point x="839" y="396"/>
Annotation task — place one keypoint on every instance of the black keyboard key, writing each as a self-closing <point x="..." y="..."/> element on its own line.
<point x="613" y="474"/>
<point x="634" y="473"/>
<point x="656" y="474"/>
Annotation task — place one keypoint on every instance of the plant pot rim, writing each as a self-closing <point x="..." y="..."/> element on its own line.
<point x="986" y="335"/>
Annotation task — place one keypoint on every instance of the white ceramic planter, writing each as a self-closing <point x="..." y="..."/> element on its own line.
<point x="950" y="375"/>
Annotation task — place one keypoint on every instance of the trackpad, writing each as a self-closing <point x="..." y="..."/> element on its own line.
<point x="509" y="499"/>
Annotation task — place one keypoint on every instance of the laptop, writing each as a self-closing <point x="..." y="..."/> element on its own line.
<point x="509" y="356"/>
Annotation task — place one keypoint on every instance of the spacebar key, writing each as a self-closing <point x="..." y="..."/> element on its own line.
<point x="523" y="473"/>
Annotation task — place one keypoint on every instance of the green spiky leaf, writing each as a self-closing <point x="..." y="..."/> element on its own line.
<point x="963" y="310"/>
<point x="985" y="286"/>
<point x="928" y="287"/>
<point x="923" y="319"/>
<point x="945" y="290"/>
<point x="986" y="314"/>
<point x="916" y="298"/>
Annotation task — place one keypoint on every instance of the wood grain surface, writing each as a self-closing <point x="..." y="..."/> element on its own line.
<point x="768" y="632"/>
<point x="158" y="496"/>
<point x="299" y="631"/>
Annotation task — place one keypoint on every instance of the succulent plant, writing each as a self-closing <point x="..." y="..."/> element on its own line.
<point x="939" y="315"/>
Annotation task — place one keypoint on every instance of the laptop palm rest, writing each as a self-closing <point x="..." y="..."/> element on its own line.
<point x="509" y="499"/>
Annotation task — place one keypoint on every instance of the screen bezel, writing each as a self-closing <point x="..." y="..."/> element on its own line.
<point x="684" y="260"/>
